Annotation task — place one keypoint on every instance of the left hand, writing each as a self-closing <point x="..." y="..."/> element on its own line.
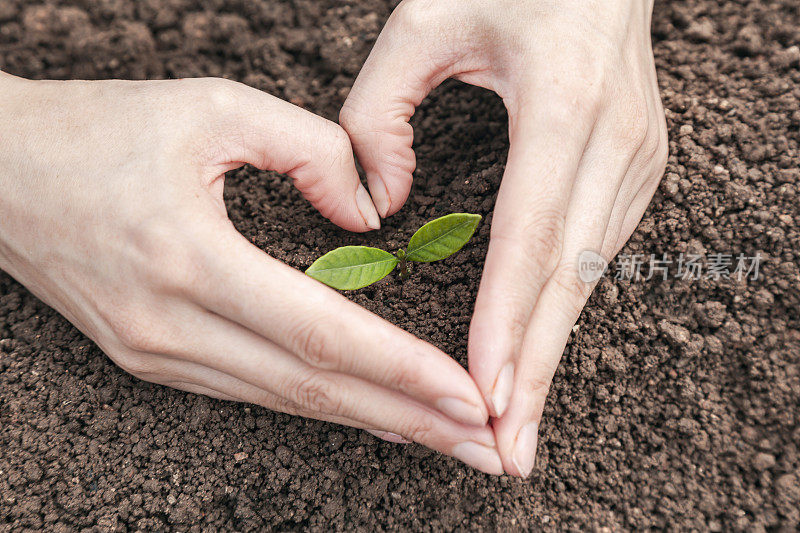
<point x="112" y="212"/>
<point x="588" y="148"/>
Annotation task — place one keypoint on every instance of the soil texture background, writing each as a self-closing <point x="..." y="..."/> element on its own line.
<point x="676" y="405"/>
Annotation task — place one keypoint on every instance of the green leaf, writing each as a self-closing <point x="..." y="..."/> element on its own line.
<point x="442" y="237"/>
<point x="352" y="267"/>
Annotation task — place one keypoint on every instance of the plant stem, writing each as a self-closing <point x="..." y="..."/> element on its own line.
<point x="404" y="273"/>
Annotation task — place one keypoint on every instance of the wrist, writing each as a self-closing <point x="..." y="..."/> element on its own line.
<point x="617" y="15"/>
<point x="6" y="79"/>
<point x="11" y="102"/>
<point x="11" y="108"/>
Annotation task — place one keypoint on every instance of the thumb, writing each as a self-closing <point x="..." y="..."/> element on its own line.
<point x="416" y="51"/>
<point x="250" y="126"/>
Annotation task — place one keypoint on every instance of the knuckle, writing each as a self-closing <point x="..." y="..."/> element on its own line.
<point x="222" y="95"/>
<point x="652" y="157"/>
<point x="281" y="405"/>
<point x="537" y="384"/>
<point x="418" y="428"/>
<point x="316" y="393"/>
<point x="407" y="378"/>
<point x="633" y="125"/>
<point x="175" y="273"/>
<point x="317" y="342"/>
<point x="415" y="15"/>
<point x="351" y="118"/>
<point x="130" y="334"/>
<point x="133" y="328"/>
<point x="340" y="141"/>
<point x="638" y="136"/>
<point x="580" y="60"/>
<point x="137" y="364"/>
<point x="574" y="109"/>
<point x="661" y="153"/>
<point x="648" y="145"/>
<point x="540" y="233"/>
<point x="313" y="172"/>
<point x="166" y="260"/>
<point x="339" y="149"/>
<point x="573" y="289"/>
<point x="139" y="335"/>
<point x="519" y="319"/>
<point x="515" y="301"/>
<point x="577" y="89"/>
<point x="544" y="232"/>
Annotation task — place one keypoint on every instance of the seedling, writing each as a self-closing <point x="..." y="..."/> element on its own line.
<point x="353" y="267"/>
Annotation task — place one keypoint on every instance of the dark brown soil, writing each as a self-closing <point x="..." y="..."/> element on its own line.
<point x="676" y="403"/>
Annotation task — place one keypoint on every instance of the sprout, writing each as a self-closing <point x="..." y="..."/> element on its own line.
<point x="353" y="267"/>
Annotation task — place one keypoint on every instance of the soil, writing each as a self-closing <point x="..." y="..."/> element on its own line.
<point x="675" y="405"/>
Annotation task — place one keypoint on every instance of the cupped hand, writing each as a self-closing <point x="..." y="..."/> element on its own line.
<point x="112" y="213"/>
<point x="588" y="148"/>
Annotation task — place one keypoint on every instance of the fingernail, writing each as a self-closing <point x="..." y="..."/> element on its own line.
<point x="380" y="195"/>
<point x="389" y="436"/>
<point x="525" y="448"/>
<point x="478" y="456"/>
<point x="501" y="393"/>
<point x="367" y="208"/>
<point x="462" y="411"/>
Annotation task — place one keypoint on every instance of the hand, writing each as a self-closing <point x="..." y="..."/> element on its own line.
<point x="588" y="147"/>
<point x="112" y="212"/>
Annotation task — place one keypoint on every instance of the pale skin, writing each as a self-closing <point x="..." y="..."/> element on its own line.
<point x="112" y="213"/>
<point x="588" y="148"/>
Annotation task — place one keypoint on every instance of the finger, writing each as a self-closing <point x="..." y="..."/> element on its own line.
<point x="249" y="126"/>
<point x="214" y="353"/>
<point x="557" y="309"/>
<point x="548" y="139"/>
<point x="388" y="436"/>
<point x="629" y="210"/>
<point x="199" y="379"/>
<point x="329" y="332"/>
<point x="601" y="174"/>
<point x="212" y="393"/>
<point x="421" y="46"/>
<point x="635" y="212"/>
<point x="198" y="389"/>
<point x="647" y="170"/>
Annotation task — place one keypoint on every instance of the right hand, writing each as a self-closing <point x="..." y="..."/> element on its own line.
<point x="588" y="146"/>
<point x="112" y="213"/>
